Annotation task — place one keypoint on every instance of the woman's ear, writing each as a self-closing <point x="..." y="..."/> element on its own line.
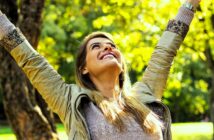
<point x="84" y="71"/>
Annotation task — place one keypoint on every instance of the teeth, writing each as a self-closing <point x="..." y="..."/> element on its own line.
<point x="108" y="56"/>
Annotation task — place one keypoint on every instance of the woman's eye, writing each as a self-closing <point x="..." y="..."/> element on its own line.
<point x="113" y="46"/>
<point x="95" y="46"/>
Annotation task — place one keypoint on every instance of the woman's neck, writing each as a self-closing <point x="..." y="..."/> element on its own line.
<point x="107" y="83"/>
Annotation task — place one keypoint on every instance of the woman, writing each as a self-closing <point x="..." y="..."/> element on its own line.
<point x="103" y="105"/>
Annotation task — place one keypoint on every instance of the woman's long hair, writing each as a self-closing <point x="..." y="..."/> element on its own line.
<point x="130" y="102"/>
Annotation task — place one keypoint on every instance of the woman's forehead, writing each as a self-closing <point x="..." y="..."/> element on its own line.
<point x="98" y="40"/>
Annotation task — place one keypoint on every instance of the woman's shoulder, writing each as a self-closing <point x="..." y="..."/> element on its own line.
<point x="78" y="91"/>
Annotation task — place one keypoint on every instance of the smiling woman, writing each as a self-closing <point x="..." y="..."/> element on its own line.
<point x="103" y="104"/>
<point x="102" y="60"/>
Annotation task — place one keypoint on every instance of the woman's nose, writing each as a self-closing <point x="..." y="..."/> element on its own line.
<point x="107" y="47"/>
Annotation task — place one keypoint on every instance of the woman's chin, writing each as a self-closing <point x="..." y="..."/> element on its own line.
<point x="112" y="64"/>
<point x="110" y="61"/>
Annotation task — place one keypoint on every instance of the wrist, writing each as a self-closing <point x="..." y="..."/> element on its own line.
<point x="189" y="6"/>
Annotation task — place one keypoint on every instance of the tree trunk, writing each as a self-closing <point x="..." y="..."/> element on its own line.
<point x="31" y="17"/>
<point x="19" y="98"/>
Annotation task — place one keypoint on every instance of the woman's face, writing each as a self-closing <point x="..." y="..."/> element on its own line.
<point x="102" y="54"/>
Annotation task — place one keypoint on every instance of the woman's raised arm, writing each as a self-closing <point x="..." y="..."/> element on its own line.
<point x="43" y="77"/>
<point x="156" y="74"/>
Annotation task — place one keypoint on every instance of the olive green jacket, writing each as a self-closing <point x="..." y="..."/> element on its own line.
<point x="66" y="99"/>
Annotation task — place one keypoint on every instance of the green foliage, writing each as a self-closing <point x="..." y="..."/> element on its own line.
<point x="187" y="92"/>
<point x="136" y="27"/>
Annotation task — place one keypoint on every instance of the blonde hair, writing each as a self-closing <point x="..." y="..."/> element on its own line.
<point x="130" y="102"/>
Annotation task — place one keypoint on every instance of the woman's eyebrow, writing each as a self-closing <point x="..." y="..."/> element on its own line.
<point x="107" y="42"/>
<point x="98" y="43"/>
<point x="92" y="44"/>
<point x="112" y="43"/>
<point x="95" y="43"/>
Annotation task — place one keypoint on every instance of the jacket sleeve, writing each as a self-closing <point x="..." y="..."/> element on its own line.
<point x="156" y="74"/>
<point x="43" y="77"/>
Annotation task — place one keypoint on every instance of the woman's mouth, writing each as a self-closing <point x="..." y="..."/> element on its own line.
<point x="107" y="55"/>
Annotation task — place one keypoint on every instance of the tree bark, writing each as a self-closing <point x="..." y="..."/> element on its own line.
<point x="31" y="17"/>
<point x="21" y="108"/>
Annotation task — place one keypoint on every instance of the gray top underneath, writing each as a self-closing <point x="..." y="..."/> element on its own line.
<point x="100" y="129"/>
